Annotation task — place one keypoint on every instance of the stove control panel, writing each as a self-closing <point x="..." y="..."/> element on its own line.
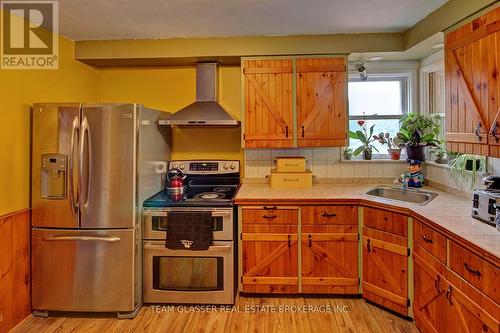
<point x="206" y="167"/>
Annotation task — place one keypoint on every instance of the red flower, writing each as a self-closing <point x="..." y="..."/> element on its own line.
<point x="361" y="122"/>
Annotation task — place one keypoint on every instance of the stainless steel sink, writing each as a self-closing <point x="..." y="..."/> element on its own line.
<point x="410" y="195"/>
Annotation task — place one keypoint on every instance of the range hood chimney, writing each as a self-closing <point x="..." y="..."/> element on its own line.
<point x="205" y="111"/>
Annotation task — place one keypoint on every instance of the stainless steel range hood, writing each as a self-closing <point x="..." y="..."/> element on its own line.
<point x="205" y="111"/>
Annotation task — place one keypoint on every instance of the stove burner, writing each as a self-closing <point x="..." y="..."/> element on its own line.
<point x="222" y="189"/>
<point x="209" y="195"/>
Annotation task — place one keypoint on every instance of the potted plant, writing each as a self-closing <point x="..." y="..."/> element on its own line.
<point x="393" y="144"/>
<point x="417" y="132"/>
<point x="348" y="154"/>
<point x="440" y="154"/>
<point x="466" y="166"/>
<point x="365" y="137"/>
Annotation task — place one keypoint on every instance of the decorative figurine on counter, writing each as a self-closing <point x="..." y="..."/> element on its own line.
<point x="413" y="177"/>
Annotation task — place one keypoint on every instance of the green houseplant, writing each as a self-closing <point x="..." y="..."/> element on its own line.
<point x="417" y="132"/>
<point x="348" y="154"/>
<point x="393" y="144"/>
<point x="440" y="154"/>
<point x="365" y="137"/>
<point x="466" y="167"/>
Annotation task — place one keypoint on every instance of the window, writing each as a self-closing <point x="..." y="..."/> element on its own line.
<point x="435" y="99"/>
<point x="381" y="100"/>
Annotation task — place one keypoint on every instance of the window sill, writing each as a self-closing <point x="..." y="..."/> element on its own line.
<point x="375" y="160"/>
<point x="447" y="167"/>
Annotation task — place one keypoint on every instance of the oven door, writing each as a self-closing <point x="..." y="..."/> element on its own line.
<point x="156" y="221"/>
<point x="184" y="276"/>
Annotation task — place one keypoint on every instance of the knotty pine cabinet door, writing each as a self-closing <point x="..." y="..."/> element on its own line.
<point x="385" y="269"/>
<point x="268" y="103"/>
<point x="321" y="102"/>
<point x="330" y="259"/>
<point x="441" y="307"/>
<point x="472" y="55"/>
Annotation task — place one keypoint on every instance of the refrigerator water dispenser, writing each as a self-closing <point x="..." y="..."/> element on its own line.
<point x="53" y="178"/>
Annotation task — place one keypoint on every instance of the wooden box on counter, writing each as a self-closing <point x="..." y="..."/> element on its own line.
<point x="291" y="179"/>
<point x="290" y="164"/>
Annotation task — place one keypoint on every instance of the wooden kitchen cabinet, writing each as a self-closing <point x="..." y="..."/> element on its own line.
<point x="472" y="54"/>
<point x="310" y="91"/>
<point x="441" y="305"/>
<point x="385" y="269"/>
<point x="321" y="102"/>
<point x="269" y="250"/>
<point x="330" y="249"/>
<point x="268" y="103"/>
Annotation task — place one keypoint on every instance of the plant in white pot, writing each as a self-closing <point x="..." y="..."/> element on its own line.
<point x="393" y="145"/>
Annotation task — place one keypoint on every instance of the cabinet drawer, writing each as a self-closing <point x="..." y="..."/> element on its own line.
<point x="265" y="215"/>
<point x="432" y="241"/>
<point x="386" y="221"/>
<point x="330" y="215"/>
<point x="475" y="270"/>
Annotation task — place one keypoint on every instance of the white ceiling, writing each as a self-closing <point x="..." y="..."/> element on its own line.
<point x="147" y="19"/>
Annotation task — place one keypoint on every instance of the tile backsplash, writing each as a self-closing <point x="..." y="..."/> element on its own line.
<point x="323" y="162"/>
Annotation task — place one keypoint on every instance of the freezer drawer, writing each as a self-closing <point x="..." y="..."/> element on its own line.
<point x="83" y="270"/>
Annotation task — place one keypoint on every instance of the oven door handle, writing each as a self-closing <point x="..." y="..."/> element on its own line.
<point x="220" y="214"/>
<point x="213" y="248"/>
<point x="164" y="214"/>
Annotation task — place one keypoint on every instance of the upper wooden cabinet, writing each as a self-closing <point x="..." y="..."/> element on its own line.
<point x="268" y="103"/>
<point x="295" y="102"/>
<point x="321" y="106"/>
<point x="472" y="58"/>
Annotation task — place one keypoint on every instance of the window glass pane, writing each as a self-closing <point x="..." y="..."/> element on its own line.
<point x="381" y="125"/>
<point x="375" y="97"/>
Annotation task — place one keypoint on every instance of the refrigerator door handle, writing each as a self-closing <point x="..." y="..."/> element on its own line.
<point x="74" y="137"/>
<point x="82" y="238"/>
<point x="85" y="186"/>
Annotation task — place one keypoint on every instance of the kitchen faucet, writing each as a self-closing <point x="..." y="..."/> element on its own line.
<point x="403" y="181"/>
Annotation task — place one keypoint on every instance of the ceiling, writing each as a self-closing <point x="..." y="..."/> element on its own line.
<point x="132" y="19"/>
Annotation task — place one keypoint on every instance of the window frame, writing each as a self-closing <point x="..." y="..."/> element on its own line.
<point x="405" y="79"/>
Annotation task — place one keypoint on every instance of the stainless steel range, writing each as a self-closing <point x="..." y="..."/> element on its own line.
<point x="189" y="276"/>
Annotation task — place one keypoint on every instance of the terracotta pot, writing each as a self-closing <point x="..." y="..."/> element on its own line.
<point x="394" y="154"/>
<point x="367" y="154"/>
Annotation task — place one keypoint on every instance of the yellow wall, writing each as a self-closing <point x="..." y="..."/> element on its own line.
<point x="170" y="89"/>
<point x="73" y="81"/>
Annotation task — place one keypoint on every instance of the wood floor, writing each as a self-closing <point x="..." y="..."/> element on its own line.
<point x="319" y="315"/>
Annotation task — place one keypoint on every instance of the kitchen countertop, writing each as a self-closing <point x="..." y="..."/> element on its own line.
<point x="449" y="213"/>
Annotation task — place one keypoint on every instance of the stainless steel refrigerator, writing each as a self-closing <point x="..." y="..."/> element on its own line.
<point x="92" y="167"/>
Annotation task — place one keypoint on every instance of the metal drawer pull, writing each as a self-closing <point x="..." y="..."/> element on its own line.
<point x="368" y="245"/>
<point x="325" y="214"/>
<point x="269" y="208"/>
<point x="82" y="238"/>
<point x="448" y="294"/>
<point x="309" y="240"/>
<point x="476" y="131"/>
<point x="427" y="240"/>
<point x="472" y="271"/>
<point x="289" y="240"/>
<point x="269" y="216"/>
<point x="436" y="283"/>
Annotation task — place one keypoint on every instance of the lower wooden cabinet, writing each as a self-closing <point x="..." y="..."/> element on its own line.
<point x="385" y="269"/>
<point x="441" y="306"/>
<point x="270" y="258"/>
<point x="330" y="259"/>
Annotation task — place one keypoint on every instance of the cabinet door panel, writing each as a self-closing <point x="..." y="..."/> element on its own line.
<point x="385" y="270"/>
<point x="270" y="260"/>
<point x="329" y="262"/>
<point x="268" y="103"/>
<point x="321" y="106"/>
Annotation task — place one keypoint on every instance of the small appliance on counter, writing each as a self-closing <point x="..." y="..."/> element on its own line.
<point x="486" y="202"/>
<point x="291" y="172"/>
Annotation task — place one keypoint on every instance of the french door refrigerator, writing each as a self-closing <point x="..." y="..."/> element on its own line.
<point x="92" y="167"/>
